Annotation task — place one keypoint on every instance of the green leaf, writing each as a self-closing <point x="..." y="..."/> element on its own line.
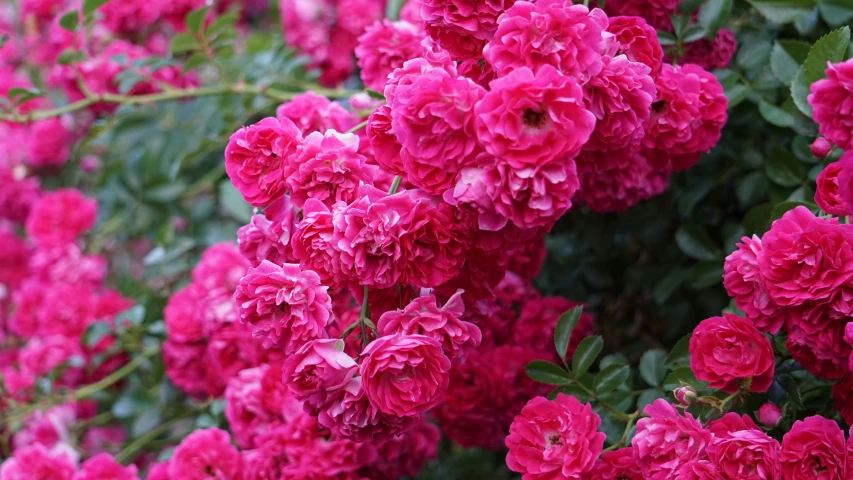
<point x="611" y="377"/>
<point x="679" y="375"/>
<point x="666" y="39"/>
<point x="232" y="202"/>
<point x="3" y="39"/>
<point x="222" y="23"/>
<point x="145" y="421"/>
<point x="689" y="6"/>
<point x="789" y="385"/>
<point x="652" y="367"/>
<point x="775" y="115"/>
<point x="565" y="326"/>
<point x="752" y="188"/>
<point x="70" y="20"/>
<point x="680" y="24"/>
<point x="784" y="11"/>
<point x="680" y="353"/>
<point x="547" y="372"/>
<point x="712" y="16"/>
<point x="694" y="33"/>
<point x="392" y="9"/>
<point x="836" y="12"/>
<point x="783" y="168"/>
<point x="67" y="56"/>
<point x="183" y="42"/>
<point x="96" y="332"/>
<point x="782" y="208"/>
<point x="18" y="95"/>
<point x="736" y="95"/>
<point x="134" y="315"/>
<point x="375" y="94"/>
<point x="612" y="359"/>
<point x="195" y="20"/>
<point x="830" y="48"/>
<point x="585" y="354"/>
<point x="800" y="92"/>
<point x="669" y="284"/>
<point x="705" y="274"/>
<point x="90" y="6"/>
<point x="786" y="58"/>
<point x="648" y="397"/>
<point x="695" y="243"/>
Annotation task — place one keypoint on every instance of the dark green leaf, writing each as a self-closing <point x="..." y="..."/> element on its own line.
<point x="183" y="42"/>
<point x="712" y="16"/>
<point x="706" y="273"/>
<point x="786" y="58"/>
<point x="221" y="24"/>
<point x="611" y="377"/>
<point x="790" y="386"/>
<point x="752" y="188"/>
<point x="652" y="367"/>
<point x="392" y="9"/>
<point x="775" y="115"/>
<point x="134" y="315"/>
<point x="666" y="39"/>
<point x="585" y="354"/>
<point x="694" y="241"/>
<point x="694" y="33"/>
<point x="780" y="209"/>
<point x="18" y="95"/>
<point x="689" y="6"/>
<point x="145" y="421"/>
<point x="232" y="202"/>
<point x="783" y="168"/>
<point x="836" y="12"/>
<point x="612" y="359"/>
<point x="565" y="326"/>
<point x="90" y="6"/>
<point x="679" y="375"/>
<point x="669" y="284"/>
<point x="70" y="20"/>
<point x="680" y="24"/>
<point x="648" y="397"/>
<point x="830" y="48"/>
<point x="96" y="332"/>
<point x="756" y="221"/>
<point x="375" y="94"/>
<point x="800" y="92"/>
<point x="784" y="11"/>
<point x="736" y="94"/>
<point x="547" y="372"/>
<point x="680" y="353"/>
<point x="195" y="20"/>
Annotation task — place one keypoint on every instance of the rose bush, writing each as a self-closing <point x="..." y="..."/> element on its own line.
<point x="435" y="239"/>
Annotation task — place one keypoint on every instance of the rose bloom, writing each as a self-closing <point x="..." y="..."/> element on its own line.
<point x="104" y="466"/>
<point x="814" y="449"/>
<point x="256" y="157"/>
<point x="616" y="184"/>
<point x="186" y="366"/>
<point x="620" y="96"/>
<point x="386" y="147"/>
<point x="285" y="305"/>
<point x="740" y="450"/>
<point x="845" y="179"/>
<point x="311" y="242"/>
<point x="635" y="39"/>
<point x="37" y="462"/>
<point x="816" y="340"/>
<point x="204" y="454"/>
<point x="832" y="104"/>
<point x="404" y="375"/>
<point x="827" y="195"/>
<point x="406" y="454"/>
<point x="769" y="415"/>
<point x="842" y="395"/>
<point x="616" y="465"/>
<point x="246" y="414"/>
<point x="688" y="115"/>
<point x="548" y="32"/>
<point x="385" y="46"/>
<point x="658" y="13"/>
<point x="314" y="113"/>
<point x="537" y="320"/>
<point x="326" y="167"/>
<point x="423" y="316"/>
<point x="666" y="441"/>
<point x="61" y="216"/>
<point x="532" y="119"/>
<point x="806" y="258"/>
<point x="554" y="439"/>
<point x="318" y="368"/>
<point x="477" y="70"/>
<point x="743" y="283"/>
<point x="349" y="414"/>
<point x="728" y="352"/>
<point x="463" y="27"/>
<point x="710" y="54"/>
<point x="183" y="323"/>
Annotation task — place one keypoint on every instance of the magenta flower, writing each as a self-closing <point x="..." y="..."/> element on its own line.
<point x="832" y="104"/>
<point x="61" y="216"/>
<point x="814" y="449"/>
<point x="204" y="454"/>
<point x="317" y="369"/>
<point x="666" y="441"/>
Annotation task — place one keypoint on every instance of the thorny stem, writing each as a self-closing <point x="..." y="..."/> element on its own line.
<point x="239" y="89"/>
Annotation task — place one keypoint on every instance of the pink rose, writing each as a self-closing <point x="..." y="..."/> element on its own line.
<point x="204" y="454"/>
<point x="827" y="195"/>
<point x="183" y="322"/>
<point x="814" y="449"/>
<point x="36" y="461"/>
<point x="549" y="32"/>
<point x="666" y="441"/>
<point x="532" y="119"/>
<point x="815" y="339"/>
<point x="616" y="465"/>
<point x="743" y="283"/>
<point x="554" y="439"/>
<point x="616" y="180"/>
<point x="463" y="27"/>
<point x="312" y="242"/>
<point x="424" y="317"/>
<point x="806" y="258"/>
<point x="831" y="99"/>
<point x="710" y="54"/>
<point x="256" y="157"/>
<point x="657" y="12"/>
<point x="285" y="305"/>
<point x="769" y="415"/>
<point x="385" y="145"/>
<point x="61" y="216"/>
<point x="103" y="466"/>
<point x="347" y="413"/>
<point x="404" y="375"/>
<point x="821" y="148"/>
<point x="385" y="46"/>
<point x="741" y="450"/>
<point x="637" y="40"/>
<point x="314" y="113"/>
<point x="845" y="179"/>
<point x="729" y="353"/>
<point x="318" y="369"/>
<point x="537" y="320"/>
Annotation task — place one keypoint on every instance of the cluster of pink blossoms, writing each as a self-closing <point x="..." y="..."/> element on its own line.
<point x="560" y="439"/>
<point x="50" y="293"/>
<point x="515" y="111"/>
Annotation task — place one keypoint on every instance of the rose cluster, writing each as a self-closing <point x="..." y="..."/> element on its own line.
<point x="560" y="439"/>
<point x="51" y="293"/>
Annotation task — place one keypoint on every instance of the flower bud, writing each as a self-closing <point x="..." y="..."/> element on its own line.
<point x="821" y="148"/>
<point x="769" y="415"/>
<point x="685" y="395"/>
